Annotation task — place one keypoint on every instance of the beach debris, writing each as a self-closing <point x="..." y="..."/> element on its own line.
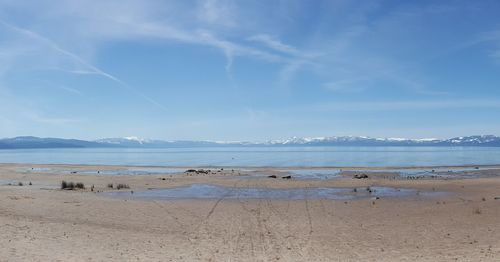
<point x="92" y="188"/>
<point x="272" y="176"/>
<point x="199" y="171"/>
<point x="287" y="177"/>
<point x="73" y="172"/>
<point x="360" y="176"/>
<point x="30" y="183"/>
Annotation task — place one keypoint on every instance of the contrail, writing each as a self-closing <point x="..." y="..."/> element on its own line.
<point x="92" y="69"/>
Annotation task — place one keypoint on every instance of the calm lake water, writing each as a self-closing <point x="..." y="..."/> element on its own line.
<point x="261" y="156"/>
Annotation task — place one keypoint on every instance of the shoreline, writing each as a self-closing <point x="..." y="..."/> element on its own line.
<point x="492" y="166"/>
<point x="43" y="222"/>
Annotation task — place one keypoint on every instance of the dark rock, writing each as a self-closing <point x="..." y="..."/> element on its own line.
<point x="360" y="176"/>
<point x="272" y="176"/>
<point x="287" y="177"/>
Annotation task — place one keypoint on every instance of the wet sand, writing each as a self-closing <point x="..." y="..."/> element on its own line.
<point x="41" y="222"/>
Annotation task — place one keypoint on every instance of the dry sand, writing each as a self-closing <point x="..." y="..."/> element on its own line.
<point x="43" y="223"/>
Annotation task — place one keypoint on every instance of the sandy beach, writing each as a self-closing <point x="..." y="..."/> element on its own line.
<point x="440" y="218"/>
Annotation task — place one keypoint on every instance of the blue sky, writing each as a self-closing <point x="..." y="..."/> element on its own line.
<point x="249" y="70"/>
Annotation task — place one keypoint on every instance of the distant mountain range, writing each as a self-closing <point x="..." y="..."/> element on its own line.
<point x="27" y="142"/>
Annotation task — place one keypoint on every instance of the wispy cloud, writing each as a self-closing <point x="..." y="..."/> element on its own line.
<point x="70" y="90"/>
<point x="217" y="12"/>
<point x="275" y="44"/>
<point x="344" y="85"/>
<point x="50" y="120"/>
<point x="87" y="67"/>
<point x="406" y="105"/>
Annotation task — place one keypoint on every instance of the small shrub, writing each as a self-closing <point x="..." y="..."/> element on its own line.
<point x="71" y="185"/>
<point x="120" y="186"/>
<point x="67" y="185"/>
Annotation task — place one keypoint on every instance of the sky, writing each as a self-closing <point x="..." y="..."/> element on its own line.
<point x="249" y="70"/>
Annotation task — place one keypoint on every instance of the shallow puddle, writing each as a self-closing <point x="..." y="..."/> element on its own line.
<point x="135" y="171"/>
<point x="300" y="174"/>
<point x="8" y="182"/>
<point x="315" y="174"/>
<point x="437" y="173"/>
<point x="207" y="191"/>
<point x="127" y="171"/>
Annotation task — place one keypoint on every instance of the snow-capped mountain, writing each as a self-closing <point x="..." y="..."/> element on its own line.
<point x="151" y="143"/>
<point x="487" y="140"/>
<point x="126" y="141"/>
<point x="474" y="141"/>
<point x="135" y="142"/>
